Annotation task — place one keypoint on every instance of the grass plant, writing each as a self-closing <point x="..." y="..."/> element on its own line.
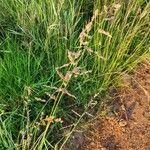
<point x="57" y="54"/>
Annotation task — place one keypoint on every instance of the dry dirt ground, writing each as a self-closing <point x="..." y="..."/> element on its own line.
<point x="127" y="125"/>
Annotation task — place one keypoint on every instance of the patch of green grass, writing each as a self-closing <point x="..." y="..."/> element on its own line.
<point x="55" y="56"/>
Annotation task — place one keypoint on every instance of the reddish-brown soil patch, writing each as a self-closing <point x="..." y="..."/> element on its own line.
<point x="127" y="125"/>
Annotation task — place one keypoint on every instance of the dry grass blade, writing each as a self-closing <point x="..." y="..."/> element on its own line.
<point x="117" y="7"/>
<point x="40" y="100"/>
<point x="60" y="74"/>
<point x="64" y="91"/>
<point x="96" y="13"/>
<point x="105" y="33"/>
<point x="52" y="97"/>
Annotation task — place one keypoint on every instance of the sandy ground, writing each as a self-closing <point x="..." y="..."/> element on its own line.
<point x="127" y="125"/>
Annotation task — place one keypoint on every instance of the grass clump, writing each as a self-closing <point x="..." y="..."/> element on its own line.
<point x="54" y="55"/>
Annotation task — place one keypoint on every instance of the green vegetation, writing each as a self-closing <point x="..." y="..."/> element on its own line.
<point x="57" y="54"/>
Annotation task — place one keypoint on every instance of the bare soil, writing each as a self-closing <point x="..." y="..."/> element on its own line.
<point x="127" y="124"/>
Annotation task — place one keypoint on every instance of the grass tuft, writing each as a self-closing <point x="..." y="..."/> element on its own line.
<point x="55" y="56"/>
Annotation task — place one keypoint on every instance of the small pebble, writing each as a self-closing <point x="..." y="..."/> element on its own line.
<point x="92" y="144"/>
<point x="122" y="123"/>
